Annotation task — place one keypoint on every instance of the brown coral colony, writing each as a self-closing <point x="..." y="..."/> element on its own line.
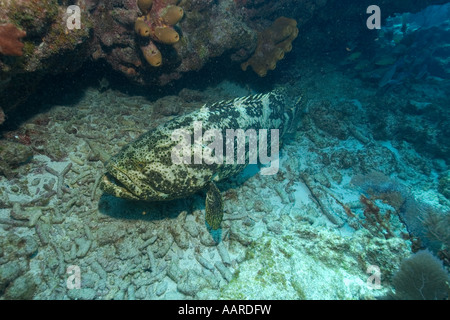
<point x="156" y="24"/>
<point x="273" y="43"/>
<point x="10" y="44"/>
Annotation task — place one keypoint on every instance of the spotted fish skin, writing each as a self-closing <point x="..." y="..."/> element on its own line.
<point x="143" y="170"/>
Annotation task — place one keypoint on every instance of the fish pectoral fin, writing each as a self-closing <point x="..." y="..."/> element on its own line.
<point x="213" y="207"/>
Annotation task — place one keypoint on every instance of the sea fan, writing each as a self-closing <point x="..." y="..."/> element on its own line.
<point x="421" y="277"/>
<point x="422" y="220"/>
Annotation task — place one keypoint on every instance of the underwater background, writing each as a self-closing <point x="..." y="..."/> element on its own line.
<point x="360" y="205"/>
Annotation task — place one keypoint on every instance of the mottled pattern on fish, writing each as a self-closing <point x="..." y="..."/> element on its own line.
<point x="143" y="170"/>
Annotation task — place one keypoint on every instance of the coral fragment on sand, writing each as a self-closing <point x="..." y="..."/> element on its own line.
<point x="273" y="43"/>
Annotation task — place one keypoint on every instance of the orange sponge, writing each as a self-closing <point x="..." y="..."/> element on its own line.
<point x="273" y="43"/>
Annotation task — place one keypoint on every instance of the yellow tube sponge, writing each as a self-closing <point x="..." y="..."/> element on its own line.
<point x="172" y="14"/>
<point x="152" y="54"/>
<point x="166" y="35"/>
<point x="159" y="17"/>
<point x="141" y="28"/>
<point x="273" y="43"/>
<point x="144" y="5"/>
<point x="281" y="29"/>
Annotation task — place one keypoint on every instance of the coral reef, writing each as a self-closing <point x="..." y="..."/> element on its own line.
<point x="159" y="17"/>
<point x="10" y="44"/>
<point x="273" y="43"/>
<point x="444" y="183"/>
<point x="48" y="37"/>
<point x="48" y="48"/>
<point x="210" y="32"/>
<point x="210" y="29"/>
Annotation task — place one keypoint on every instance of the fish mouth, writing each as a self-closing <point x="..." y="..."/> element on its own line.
<point x="117" y="185"/>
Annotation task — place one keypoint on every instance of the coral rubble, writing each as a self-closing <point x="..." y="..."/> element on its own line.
<point x="157" y="23"/>
<point x="273" y="43"/>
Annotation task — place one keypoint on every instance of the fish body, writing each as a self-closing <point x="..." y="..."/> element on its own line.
<point x="145" y="170"/>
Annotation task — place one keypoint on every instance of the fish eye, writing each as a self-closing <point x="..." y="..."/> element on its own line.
<point x="139" y="164"/>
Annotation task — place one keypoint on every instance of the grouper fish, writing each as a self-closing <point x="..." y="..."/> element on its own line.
<point x="161" y="164"/>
